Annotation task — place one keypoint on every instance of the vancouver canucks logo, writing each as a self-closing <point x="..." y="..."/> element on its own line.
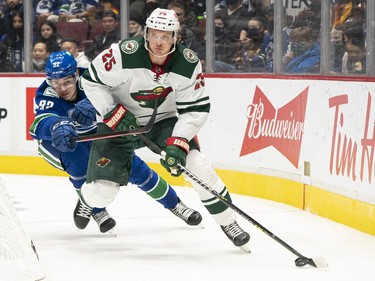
<point x="146" y="98"/>
<point x="102" y="162"/>
<point x="129" y="47"/>
<point x="190" y="56"/>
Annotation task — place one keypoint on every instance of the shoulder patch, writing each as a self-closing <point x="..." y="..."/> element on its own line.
<point x="129" y="47"/>
<point x="50" y="92"/>
<point x="190" y="56"/>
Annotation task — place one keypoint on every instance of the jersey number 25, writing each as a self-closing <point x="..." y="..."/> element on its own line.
<point x="108" y="60"/>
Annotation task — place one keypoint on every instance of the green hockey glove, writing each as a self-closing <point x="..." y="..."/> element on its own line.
<point x="176" y="152"/>
<point x="120" y="119"/>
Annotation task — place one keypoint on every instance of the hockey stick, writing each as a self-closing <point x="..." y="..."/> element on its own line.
<point x="136" y="131"/>
<point x="299" y="262"/>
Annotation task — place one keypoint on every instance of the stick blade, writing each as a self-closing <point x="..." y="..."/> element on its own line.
<point x="320" y="262"/>
<point x="315" y="262"/>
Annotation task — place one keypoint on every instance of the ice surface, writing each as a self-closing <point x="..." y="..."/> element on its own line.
<point x="153" y="245"/>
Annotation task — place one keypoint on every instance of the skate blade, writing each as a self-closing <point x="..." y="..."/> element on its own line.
<point x="111" y="233"/>
<point x="245" y="248"/>
<point x="200" y="226"/>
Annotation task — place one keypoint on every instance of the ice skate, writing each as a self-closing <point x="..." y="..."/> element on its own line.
<point x="104" y="220"/>
<point x="188" y="215"/>
<point x="81" y="215"/>
<point x="237" y="235"/>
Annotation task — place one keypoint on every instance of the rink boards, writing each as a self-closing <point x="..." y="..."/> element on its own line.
<point x="305" y="141"/>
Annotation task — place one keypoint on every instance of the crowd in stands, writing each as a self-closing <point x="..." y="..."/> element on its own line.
<point x="243" y="32"/>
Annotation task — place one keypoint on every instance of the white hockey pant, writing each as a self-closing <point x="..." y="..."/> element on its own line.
<point x="99" y="193"/>
<point x="199" y="166"/>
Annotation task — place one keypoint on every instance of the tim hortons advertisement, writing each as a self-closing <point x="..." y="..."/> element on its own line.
<point x="280" y="127"/>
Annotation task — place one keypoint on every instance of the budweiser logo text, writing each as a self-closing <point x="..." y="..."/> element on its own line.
<point x="281" y="128"/>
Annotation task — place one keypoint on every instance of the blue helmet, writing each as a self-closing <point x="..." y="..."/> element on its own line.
<point x="60" y="65"/>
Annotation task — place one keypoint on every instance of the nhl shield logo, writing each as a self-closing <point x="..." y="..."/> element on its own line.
<point x="129" y="47"/>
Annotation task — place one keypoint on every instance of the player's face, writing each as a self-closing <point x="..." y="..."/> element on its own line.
<point x="65" y="87"/>
<point x="159" y="42"/>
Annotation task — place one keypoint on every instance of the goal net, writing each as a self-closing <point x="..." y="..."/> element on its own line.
<point x="18" y="258"/>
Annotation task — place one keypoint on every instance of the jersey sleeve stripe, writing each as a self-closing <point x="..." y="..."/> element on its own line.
<point x="91" y="71"/>
<point x="36" y="122"/>
<point x="193" y="102"/>
<point x="197" y="108"/>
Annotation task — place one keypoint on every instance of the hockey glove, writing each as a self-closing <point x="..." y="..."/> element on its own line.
<point x="176" y="152"/>
<point x="63" y="134"/>
<point x="120" y="119"/>
<point x="84" y="113"/>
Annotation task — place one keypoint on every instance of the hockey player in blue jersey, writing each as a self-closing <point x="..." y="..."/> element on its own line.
<point x="63" y="113"/>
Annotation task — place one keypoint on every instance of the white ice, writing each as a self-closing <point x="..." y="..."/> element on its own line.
<point x="153" y="245"/>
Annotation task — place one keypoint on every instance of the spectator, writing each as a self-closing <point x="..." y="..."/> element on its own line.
<point x="3" y="29"/>
<point x="106" y="5"/>
<point x="268" y="43"/>
<point x="356" y="63"/>
<point x="48" y="33"/>
<point x="225" y="49"/>
<point x="11" y="7"/>
<point x="304" y="53"/>
<point x="358" y="15"/>
<point x="136" y="24"/>
<point x="354" y="40"/>
<point x="137" y="6"/>
<point x="189" y="17"/>
<point x="337" y="49"/>
<point x="14" y="41"/>
<point x="149" y="8"/>
<point x="78" y="10"/>
<point x="46" y="9"/>
<point x="310" y="17"/>
<point x="71" y="45"/>
<point x="185" y="35"/>
<point x="343" y="10"/>
<point x="5" y="64"/>
<point x="235" y="16"/>
<point x="256" y="8"/>
<point x="111" y="34"/>
<point x="40" y="55"/>
<point x="254" y="41"/>
<point x="255" y="33"/>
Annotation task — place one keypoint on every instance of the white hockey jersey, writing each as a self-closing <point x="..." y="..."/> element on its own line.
<point x="125" y="74"/>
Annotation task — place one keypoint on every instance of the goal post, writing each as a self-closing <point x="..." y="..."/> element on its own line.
<point x="18" y="257"/>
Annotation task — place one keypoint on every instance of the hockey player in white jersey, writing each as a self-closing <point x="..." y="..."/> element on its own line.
<point x="63" y="113"/>
<point x="123" y="83"/>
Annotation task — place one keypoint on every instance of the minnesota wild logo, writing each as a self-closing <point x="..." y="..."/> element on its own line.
<point x="129" y="47"/>
<point x="190" y="56"/>
<point x="146" y="98"/>
<point x="102" y="162"/>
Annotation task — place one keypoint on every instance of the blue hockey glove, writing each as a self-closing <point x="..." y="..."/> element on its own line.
<point x="120" y="119"/>
<point x="176" y="152"/>
<point x="84" y="113"/>
<point x="63" y="134"/>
